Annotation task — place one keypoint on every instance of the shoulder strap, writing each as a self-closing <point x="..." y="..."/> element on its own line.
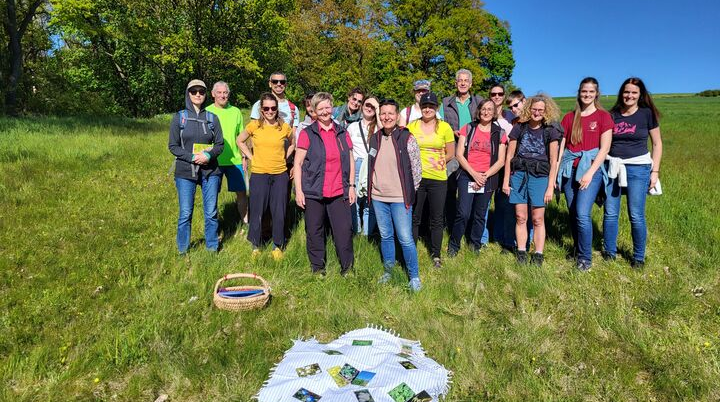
<point x="468" y="138"/>
<point x="408" y="111"/>
<point x="183" y="120"/>
<point x="523" y="128"/>
<point x="293" y="108"/>
<point x="362" y="135"/>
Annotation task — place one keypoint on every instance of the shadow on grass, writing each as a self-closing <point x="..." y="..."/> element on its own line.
<point x="124" y="126"/>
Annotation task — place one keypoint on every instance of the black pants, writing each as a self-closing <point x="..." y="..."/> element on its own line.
<point x="267" y="190"/>
<point x="472" y="208"/>
<point x="433" y="192"/>
<point x="337" y="211"/>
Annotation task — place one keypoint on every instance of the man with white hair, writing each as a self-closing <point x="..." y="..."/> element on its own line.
<point x="232" y="162"/>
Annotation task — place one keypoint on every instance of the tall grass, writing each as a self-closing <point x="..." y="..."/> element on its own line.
<point x="96" y="305"/>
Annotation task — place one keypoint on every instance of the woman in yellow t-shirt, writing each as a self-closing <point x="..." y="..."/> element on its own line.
<point x="269" y="173"/>
<point x="437" y="147"/>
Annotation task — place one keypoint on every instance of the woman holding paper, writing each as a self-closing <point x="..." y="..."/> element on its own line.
<point x="481" y="154"/>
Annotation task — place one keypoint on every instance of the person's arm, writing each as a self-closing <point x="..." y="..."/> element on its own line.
<point x="449" y="151"/>
<point x="218" y="140"/>
<point x="242" y="146"/>
<point x="352" y="191"/>
<point x="291" y="147"/>
<point x="656" y="155"/>
<point x="553" y="157"/>
<point x="413" y="151"/>
<point x="499" y="163"/>
<point x="605" y="140"/>
<point x="297" y="167"/>
<point x="512" y="145"/>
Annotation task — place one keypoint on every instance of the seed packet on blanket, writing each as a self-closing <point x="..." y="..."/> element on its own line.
<point x="363" y="378"/>
<point x="335" y="374"/>
<point x="422" y="396"/>
<point x="306" y="396"/>
<point x="348" y="372"/>
<point x="361" y="342"/>
<point x="408" y="365"/>
<point x="401" y="393"/>
<point x="407" y="349"/>
<point x="332" y="352"/>
<point x="310" y="369"/>
<point x="364" y="396"/>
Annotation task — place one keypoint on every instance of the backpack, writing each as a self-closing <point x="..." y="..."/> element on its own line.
<point x="184" y="118"/>
<point x="494" y="135"/>
<point x="293" y="110"/>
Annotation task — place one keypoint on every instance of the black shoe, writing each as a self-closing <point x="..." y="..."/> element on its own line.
<point x="521" y="256"/>
<point x="320" y="271"/>
<point x="452" y="253"/>
<point x="583" y="266"/>
<point x="608" y="257"/>
<point x="344" y="271"/>
<point x="506" y="249"/>
<point x="537" y="259"/>
<point x="638" y="265"/>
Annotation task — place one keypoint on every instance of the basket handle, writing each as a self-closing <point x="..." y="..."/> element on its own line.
<point x="236" y="276"/>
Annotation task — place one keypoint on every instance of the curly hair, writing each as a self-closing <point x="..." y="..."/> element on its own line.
<point x="552" y="111"/>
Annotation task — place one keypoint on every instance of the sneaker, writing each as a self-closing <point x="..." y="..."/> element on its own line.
<point x="583" y="266"/>
<point x="277" y="254"/>
<point x="452" y="253"/>
<point x="437" y="263"/>
<point x="385" y="278"/>
<point x="521" y="256"/>
<point x="608" y="257"/>
<point x="256" y="253"/>
<point x="537" y="259"/>
<point x="344" y="271"/>
<point x="415" y="284"/>
<point x="638" y="265"/>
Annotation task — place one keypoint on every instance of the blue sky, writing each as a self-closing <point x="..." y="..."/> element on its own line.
<point x="673" y="46"/>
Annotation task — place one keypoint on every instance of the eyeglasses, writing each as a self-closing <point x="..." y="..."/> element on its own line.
<point x="281" y="82"/>
<point x="516" y="104"/>
<point x="494" y="94"/>
<point x="269" y="108"/>
<point x="536" y="110"/>
<point x="194" y="91"/>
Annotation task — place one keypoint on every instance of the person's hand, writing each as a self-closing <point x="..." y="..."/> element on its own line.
<point x="585" y="180"/>
<point x="481" y="179"/>
<point x="245" y="165"/>
<point x="549" y="194"/>
<point x="200" y="158"/>
<point x="375" y="103"/>
<point x="352" y="197"/>
<point x="506" y="189"/>
<point x="653" y="179"/>
<point x="291" y="173"/>
<point x="300" y="198"/>
<point x="457" y="133"/>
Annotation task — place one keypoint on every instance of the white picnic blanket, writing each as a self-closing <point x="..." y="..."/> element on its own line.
<point x="368" y="364"/>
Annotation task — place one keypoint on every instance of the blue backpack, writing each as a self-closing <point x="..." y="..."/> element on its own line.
<point x="184" y="118"/>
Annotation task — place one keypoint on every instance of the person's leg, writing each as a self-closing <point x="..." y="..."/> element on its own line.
<point x="538" y="219"/>
<point x="451" y="200"/>
<point x="210" y="187"/>
<point x="338" y="211"/>
<point x="436" y="193"/>
<point x="420" y="196"/>
<point x="638" y="177"/>
<point x="186" y="200"/>
<point x="570" y="188"/>
<point x="583" y="212"/>
<point x="536" y="192"/>
<point x="505" y="219"/>
<point x="610" y="219"/>
<point x="315" y="234"/>
<point x="278" y="207"/>
<point x="241" y="200"/>
<point x="486" y="232"/>
<point x="387" y="233"/>
<point x="371" y="221"/>
<point x="259" y="195"/>
<point x="402" y="220"/>
<point x="356" y="207"/>
<point x="519" y="196"/>
<point x="477" y="222"/>
<point x="464" y="208"/>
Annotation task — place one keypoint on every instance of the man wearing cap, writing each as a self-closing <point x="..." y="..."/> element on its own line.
<point x="232" y="163"/>
<point x="351" y="111"/>
<point x="413" y="112"/>
<point x="196" y="141"/>
<point x="457" y="110"/>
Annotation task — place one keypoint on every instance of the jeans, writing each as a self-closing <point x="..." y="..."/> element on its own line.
<point x="268" y="191"/>
<point x="396" y="216"/>
<point x="210" y="186"/>
<point x="362" y="212"/>
<point x="580" y="203"/>
<point x="471" y="208"/>
<point x="638" y="181"/>
<point x="504" y="220"/>
<point x="434" y="192"/>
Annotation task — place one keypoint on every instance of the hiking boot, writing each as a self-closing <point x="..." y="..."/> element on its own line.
<point x="415" y="284"/>
<point x="537" y="259"/>
<point x="437" y="263"/>
<point x="385" y="278"/>
<point x="521" y="256"/>
<point x="277" y="254"/>
<point x="607" y="256"/>
<point x="583" y="266"/>
<point x="452" y="253"/>
<point x="638" y="265"/>
<point x="256" y="253"/>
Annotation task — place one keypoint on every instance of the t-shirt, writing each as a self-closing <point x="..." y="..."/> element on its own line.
<point x="231" y="120"/>
<point x="332" y="181"/>
<point x="480" y="149"/>
<point x="593" y="126"/>
<point x="357" y="135"/>
<point x="533" y="144"/>
<point x="463" y="108"/>
<point x="387" y="186"/>
<point x="432" y="148"/>
<point x="415" y="114"/>
<point x="630" y="134"/>
<point x="284" y="110"/>
<point x="268" y="147"/>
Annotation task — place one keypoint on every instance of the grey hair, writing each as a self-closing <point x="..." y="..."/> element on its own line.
<point x="320" y="97"/>
<point x="463" y="71"/>
<point x="220" y="83"/>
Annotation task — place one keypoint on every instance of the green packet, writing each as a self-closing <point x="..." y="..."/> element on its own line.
<point x="197" y="148"/>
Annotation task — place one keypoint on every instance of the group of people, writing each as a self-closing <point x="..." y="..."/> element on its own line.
<point x="370" y="164"/>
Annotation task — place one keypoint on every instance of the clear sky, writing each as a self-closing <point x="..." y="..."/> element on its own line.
<point x="674" y="46"/>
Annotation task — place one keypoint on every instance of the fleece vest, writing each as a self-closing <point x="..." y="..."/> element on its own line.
<point x="313" y="167"/>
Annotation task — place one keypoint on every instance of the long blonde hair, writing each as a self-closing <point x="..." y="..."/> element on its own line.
<point x="552" y="111"/>
<point x="577" y="134"/>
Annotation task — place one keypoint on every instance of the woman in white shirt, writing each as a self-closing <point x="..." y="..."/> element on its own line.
<point x="360" y="132"/>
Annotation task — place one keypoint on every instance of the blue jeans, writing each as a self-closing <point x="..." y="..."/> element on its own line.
<point x="580" y="203"/>
<point x="638" y="181"/>
<point x="504" y="220"/>
<point x="486" y="234"/>
<point x="363" y="217"/>
<point x="210" y="186"/>
<point x="394" y="217"/>
<point x="472" y="211"/>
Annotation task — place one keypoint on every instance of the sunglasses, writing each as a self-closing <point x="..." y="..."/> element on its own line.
<point x="516" y="104"/>
<point x="269" y="108"/>
<point x="194" y="91"/>
<point x="356" y="99"/>
<point x="494" y="94"/>
<point x="281" y="82"/>
<point x="369" y="105"/>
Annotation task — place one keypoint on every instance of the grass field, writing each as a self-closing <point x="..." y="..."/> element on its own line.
<point x="96" y="305"/>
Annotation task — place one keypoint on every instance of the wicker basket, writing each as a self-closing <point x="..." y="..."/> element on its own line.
<point x="242" y="303"/>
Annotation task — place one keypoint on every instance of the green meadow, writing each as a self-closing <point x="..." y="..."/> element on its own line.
<point x="96" y="305"/>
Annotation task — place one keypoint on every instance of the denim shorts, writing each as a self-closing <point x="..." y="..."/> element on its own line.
<point x="235" y="178"/>
<point x="531" y="192"/>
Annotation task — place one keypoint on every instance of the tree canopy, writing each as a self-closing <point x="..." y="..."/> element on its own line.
<point x="132" y="57"/>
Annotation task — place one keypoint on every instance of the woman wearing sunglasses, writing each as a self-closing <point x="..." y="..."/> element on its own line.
<point x="196" y="140"/>
<point x="269" y="177"/>
<point x="325" y="185"/>
<point x="360" y="132"/>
